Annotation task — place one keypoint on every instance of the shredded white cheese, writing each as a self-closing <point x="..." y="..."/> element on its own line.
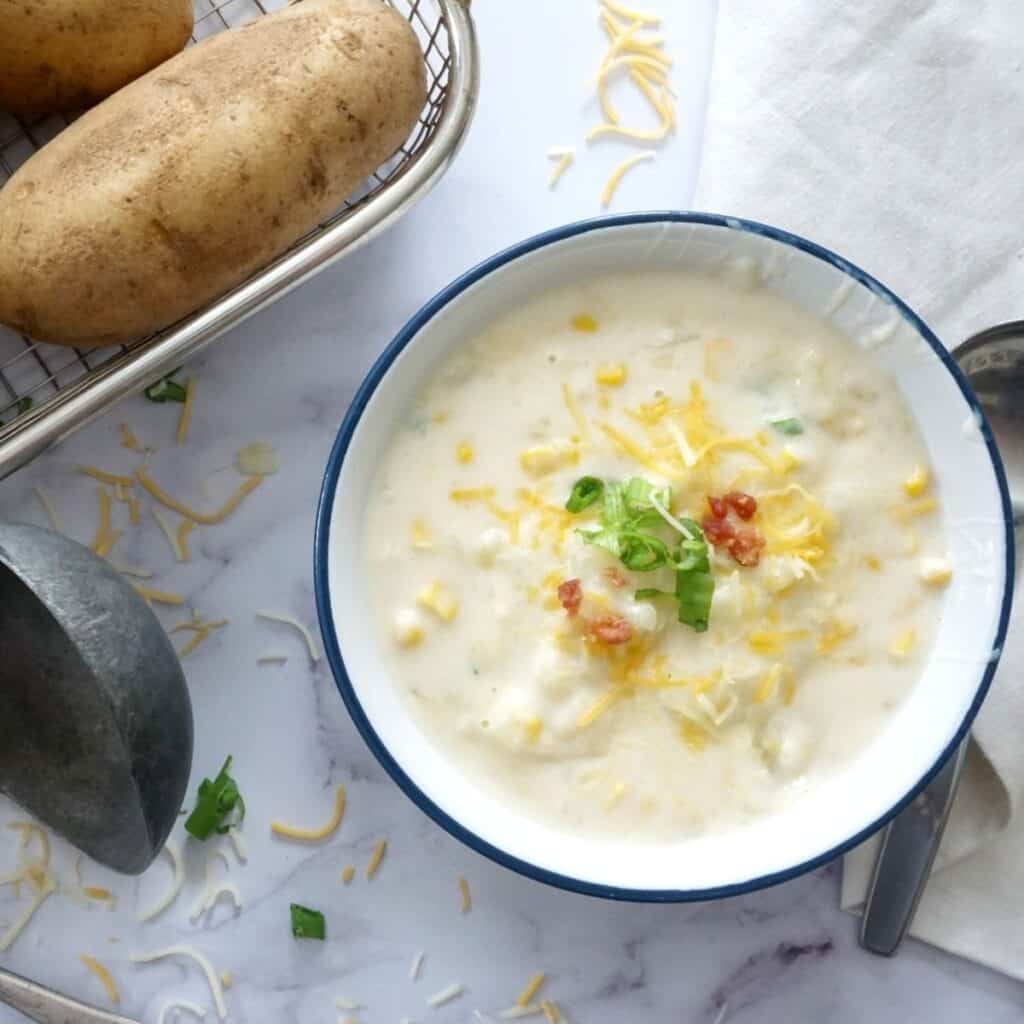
<point x="49" y="508"/>
<point x="197" y="958"/>
<point x="179" y="1005"/>
<point x="238" y="843"/>
<point x="177" y="881"/>
<point x="417" y="966"/>
<point x="272" y="658"/>
<point x="446" y="995"/>
<point x="257" y="459"/>
<point x="288" y="620"/>
<point x="169" y="532"/>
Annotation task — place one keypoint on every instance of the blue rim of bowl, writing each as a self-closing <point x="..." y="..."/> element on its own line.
<point x="321" y="546"/>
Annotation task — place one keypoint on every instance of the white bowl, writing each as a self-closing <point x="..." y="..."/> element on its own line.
<point x="922" y="731"/>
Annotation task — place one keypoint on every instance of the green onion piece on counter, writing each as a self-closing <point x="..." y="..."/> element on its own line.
<point x="791" y="426"/>
<point x="217" y="799"/>
<point x="585" y="492"/>
<point x="308" y="924"/>
<point x="166" y="389"/>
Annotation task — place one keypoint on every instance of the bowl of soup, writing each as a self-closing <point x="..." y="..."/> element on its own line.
<point x="663" y="556"/>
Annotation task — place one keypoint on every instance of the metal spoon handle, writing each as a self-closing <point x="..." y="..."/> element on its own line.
<point x="49" y="1007"/>
<point x="905" y="860"/>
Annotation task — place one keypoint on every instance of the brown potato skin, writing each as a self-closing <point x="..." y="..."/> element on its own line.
<point x="63" y="55"/>
<point x="186" y="182"/>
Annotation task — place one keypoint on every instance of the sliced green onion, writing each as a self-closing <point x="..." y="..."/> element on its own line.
<point x="217" y="799"/>
<point x="585" y="492"/>
<point x="791" y="426"/>
<point x="642" y="552"/>
<point x="308" y="924"/>
<point x="694" y="590"/>
<point x="166" y="389"/>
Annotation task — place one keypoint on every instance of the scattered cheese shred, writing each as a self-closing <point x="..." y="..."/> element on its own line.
<point x="185" y="527"/>
<point x="112" y="479"/>
<point x="552" y="1014"/>
<point x="610" y="375"/>
<point x="417" y="966"/>
<point x="168" y="531"/>
<point x="288" y="620"/>
<point x="272" y="658"/>
<point x="257" y="459"/>
<point x="200" y="631"/>
<point x="582" y="426"/>
<point x="177" y="881"/>
<point x="315" y="834"/>
<point x="197" y="958"/>
<point x="129" y="440"/>
<point x="640" y="17"/>
<point x="446" y="995"/>
<point x="525" y="998"/>
<point x="48" y="507"/>
<point x="467" y="896"/>
<point x="185" y="419"/>
<point x="464" y="453"/>
<point x="179" y="1005"/>
<point x="936" y="572"/>
<point x="238" y="844"/>
<point x="103" y="528"/>
<point x="564" y="158"/>
<point x="96" y="892"/>
<point x="205" y="519"/>
<point x="104" y="976"/>
<point x="348" y="872"/>
<point x="45" y="887"/>
<point x="376" y="857"/>
<point x="152" y="596"/>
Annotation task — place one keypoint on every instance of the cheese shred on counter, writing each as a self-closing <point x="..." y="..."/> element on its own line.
<point x="312" y="835"/>
<point x="104" y="976"/>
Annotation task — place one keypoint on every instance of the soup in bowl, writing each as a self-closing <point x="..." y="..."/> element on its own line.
<point x="663" y="556"/>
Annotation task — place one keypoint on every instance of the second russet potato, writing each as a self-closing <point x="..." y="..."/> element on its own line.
<point x="190" y="179"/>
<point x="63" y="55"/>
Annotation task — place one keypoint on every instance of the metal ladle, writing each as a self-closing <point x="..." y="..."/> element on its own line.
<point x="95" y="719"/>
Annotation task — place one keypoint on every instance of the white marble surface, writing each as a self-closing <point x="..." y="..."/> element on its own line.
<point x="787" y="954"/>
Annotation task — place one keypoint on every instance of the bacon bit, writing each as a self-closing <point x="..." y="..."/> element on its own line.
<point x="570" y="593"/>
<point x="614" y="577"/>
<point x="746" y="547"/>
<point x="718" y="506"/>
<point x="745" y="505"/>
<point x="609" y="629"/>
<point x="719" y="531"/>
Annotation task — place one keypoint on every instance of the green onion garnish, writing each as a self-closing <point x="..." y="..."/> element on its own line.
<point x="585" y="492"/>
<point x="308" y="924"/>
<point x="166" y="389"/>
<point x="217" y="799"/>
<point x="791" y="426"/>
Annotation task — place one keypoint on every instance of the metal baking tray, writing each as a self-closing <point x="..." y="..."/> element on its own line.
<point x="47" y="391"/>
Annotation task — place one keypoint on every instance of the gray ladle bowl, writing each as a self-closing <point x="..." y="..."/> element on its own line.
<point x="95" y="718"/>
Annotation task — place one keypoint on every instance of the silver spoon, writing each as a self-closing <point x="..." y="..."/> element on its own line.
<point x="993" y="362"/>
<point x="95" y="718"/>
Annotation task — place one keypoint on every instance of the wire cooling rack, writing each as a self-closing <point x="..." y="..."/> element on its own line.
<point x="48" y="391"/>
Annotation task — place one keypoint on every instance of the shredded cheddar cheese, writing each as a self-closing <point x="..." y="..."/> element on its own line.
<point x="151" y="596"/>
<point x="205" y="519"/>
<point x="376" y="857"/>
<point x="104" y="976"/>
<point x="903" y="643"/>
<point x="584" y="323"/>
<point x="564" y="158"/>
<point x="466" y="904"/>
<point x="464" y="453"/>
<point x="526" y="997"/>
<point x="348" y="872"/>
<point x="111" y="479"/>
<point x="610" y="375"/>
<point x="312" y="835"/>
<point x="621" y="169"/>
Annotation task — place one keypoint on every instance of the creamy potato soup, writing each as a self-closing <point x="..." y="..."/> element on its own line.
<point x="655" y="554"/>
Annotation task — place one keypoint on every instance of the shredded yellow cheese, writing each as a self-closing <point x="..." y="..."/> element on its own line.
<point x="376" y="857"/>
<point x="185" y="420"/>
<point x="185" y="527"/>
<point x="564" y="158"/>
<point x="129" y="440"/>
<point x="620" y="169"/>
<point x="525" y="998"/>
<point x="200" y="631"/>
<point x="311" y="835"/>
<point x="420" y="535"/>
<point x="168" y="531"/>
<point x="552" y="1014"/>
<point x="348" y="872"/>
<point x="464" y="453"/>
<point x="111" y="479"/>
<point x="630" y="14"/>
<point x="205" y="519"/>
<point x="467" y="898"/>
<point x="95" y="892"/>
<point x="610" y="375"/>
<point x="102" y="534"/>
<point x="910" y="509"/>
<point x="104" y="976"/>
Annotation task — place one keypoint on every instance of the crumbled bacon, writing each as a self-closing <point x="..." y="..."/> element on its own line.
<point x="614" y="577"/>
<point x="609" y="629"/>
<point x="718" y="506"/>
<point x="746" y="546"/>
<point x="570" y="593"/>
<point x="745" y="505"/>
<point x="718" y="531"/>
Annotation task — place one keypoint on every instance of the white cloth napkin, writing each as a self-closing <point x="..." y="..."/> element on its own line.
<point x="893" y="133"/>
